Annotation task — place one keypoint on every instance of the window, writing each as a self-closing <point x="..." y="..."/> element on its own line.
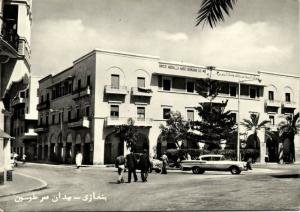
<point x="41" y="120"/>
<point x="252" y="93"/>
<point x="22" y="94"/>
<point x="77" y="113"/>
<point x="271" y="95"/>
<point x="232" y="90"/>
<point x="141" y="82"/>
<point x="88" y="80"/>
<point x="233" y="116"/>
<point x="70" y="87"/>
<point x="190" y="86"/>
<point x="27" y="93"/>
<point x="115" y="81"/>
<point x="190" y="115"/>
<point x="48" y="97"/>
<point x="79" y="84"/>
<point x="59" y="117"/>
<point x="287" y="97"/>
<point x="114" y="111"/>
<point x="42" y="99"/>
<point x="47" y="120"/>
<point x="166" y="84"/>
<point x="141" y="113"/>
<point x="206" y="158"/>
<point x="87" y="111"/>
<point x="166" y="113"/>
<point x="272" y="119"/>
<point x="69" y="115"/>
<point x="53" y="119"/>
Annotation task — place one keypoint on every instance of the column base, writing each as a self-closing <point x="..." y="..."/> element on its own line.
<point x="9" y="175"/>
<point x="2" y="177"/>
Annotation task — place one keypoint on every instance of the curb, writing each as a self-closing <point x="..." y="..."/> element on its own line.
<point x="43" y="186"/>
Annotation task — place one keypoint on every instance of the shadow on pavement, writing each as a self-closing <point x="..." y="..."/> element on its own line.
<point x="287" y="176"/>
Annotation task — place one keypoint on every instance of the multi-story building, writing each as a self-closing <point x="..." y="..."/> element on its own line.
<point x="80" y="106"/>
<point x="15" y="25"/>
<point x="24" y="119"/>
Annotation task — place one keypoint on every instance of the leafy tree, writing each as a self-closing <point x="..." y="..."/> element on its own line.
<point x="253" y="125"/>
<point x="176" y="128"/>
<point x="287" y="131"/>
<point x="127" y="133"/>
<point x="211" y="11"/>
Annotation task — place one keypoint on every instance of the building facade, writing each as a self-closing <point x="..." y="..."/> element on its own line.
<point x="15" y="31"/>
<point x="80" y="106"/>
<point x="24" y="117"/>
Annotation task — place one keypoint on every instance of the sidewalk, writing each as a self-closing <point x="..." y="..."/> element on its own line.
<point x="21" y="184"/>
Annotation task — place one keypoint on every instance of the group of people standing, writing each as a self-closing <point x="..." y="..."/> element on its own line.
<point x="132" y="164"/>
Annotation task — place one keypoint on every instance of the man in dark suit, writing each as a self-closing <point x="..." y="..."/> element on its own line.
<point x="131" y="165"/>
<point x="144" y="165"/>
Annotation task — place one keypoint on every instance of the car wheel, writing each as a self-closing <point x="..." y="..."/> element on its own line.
<point x="196" y="170"/>
<point x="235" y="170"/>
<point x="201" y="171"/>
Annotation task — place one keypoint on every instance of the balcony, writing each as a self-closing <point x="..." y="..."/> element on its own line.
<point x="79" y="123"/>
<point x="41" y="129"/>
<point x="272" y="103"/>
<point x="137" y="91"/>
<point x="121" y="90"/>
<point x="43" y="105"/>
<point x="115" y="121"/>
<point x="11" y="37"/>
<point x="16" y="101"/>
<point x="81" y="93"/>
<point x="289" y="105"/>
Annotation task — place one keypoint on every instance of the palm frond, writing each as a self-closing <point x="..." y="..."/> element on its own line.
<point x="211" y="11"/>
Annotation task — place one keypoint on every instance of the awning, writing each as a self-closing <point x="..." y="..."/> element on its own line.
<point x="4" y="134"/>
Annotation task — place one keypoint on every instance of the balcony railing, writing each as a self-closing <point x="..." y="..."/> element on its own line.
<point x="81" y="93"/>
<point x="11" y="37"/>
<point x="289" y="104"/>
<point x="43" y="105"/>
<point x="272" y="103"/>
<point x="122" y="90"/>
<point x="79" y="123"/>
<point x="139" y="122"/>
<point x="41" y="129"/>
<point x="137" y="91"/>
<point x="16" y="101"/>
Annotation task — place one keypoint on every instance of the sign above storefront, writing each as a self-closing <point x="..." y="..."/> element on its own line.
<point x="194" y="71"/>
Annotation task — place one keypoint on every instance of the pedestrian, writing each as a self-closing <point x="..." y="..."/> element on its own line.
<point x="144" y="165"/>
<point x="165" y="161"/>
<point x="24" y="158"/>
<point x="131" y="165"/>
<point x="120" y="164"/>
<point x="249" y="164"/>
<point x="78" y="159"/>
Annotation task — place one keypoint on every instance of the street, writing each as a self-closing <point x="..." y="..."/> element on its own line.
<point x="259" y="189"/>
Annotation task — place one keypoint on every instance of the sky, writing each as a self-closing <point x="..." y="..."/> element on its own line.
<point x="258" y="35"/>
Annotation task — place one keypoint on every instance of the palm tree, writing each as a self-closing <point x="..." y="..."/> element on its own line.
<point x="253" y="125"/>
<point x="211" y="11"/>
<point x="287" y="131"/>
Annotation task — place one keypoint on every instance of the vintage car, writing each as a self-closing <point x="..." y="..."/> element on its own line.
<point x="213" y="163"/>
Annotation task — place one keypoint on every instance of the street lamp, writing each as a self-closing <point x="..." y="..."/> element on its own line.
<point x="238" y="118"/>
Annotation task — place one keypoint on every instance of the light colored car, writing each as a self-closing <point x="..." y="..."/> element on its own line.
<point x="213" y="163"/>
<point x="156" y="165"/>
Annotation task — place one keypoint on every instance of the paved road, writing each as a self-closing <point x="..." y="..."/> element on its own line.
<point x="254" y="190"/>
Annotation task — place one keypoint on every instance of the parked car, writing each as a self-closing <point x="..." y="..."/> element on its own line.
<point x="213" y="163"/>
<point x="156" y="165"/>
